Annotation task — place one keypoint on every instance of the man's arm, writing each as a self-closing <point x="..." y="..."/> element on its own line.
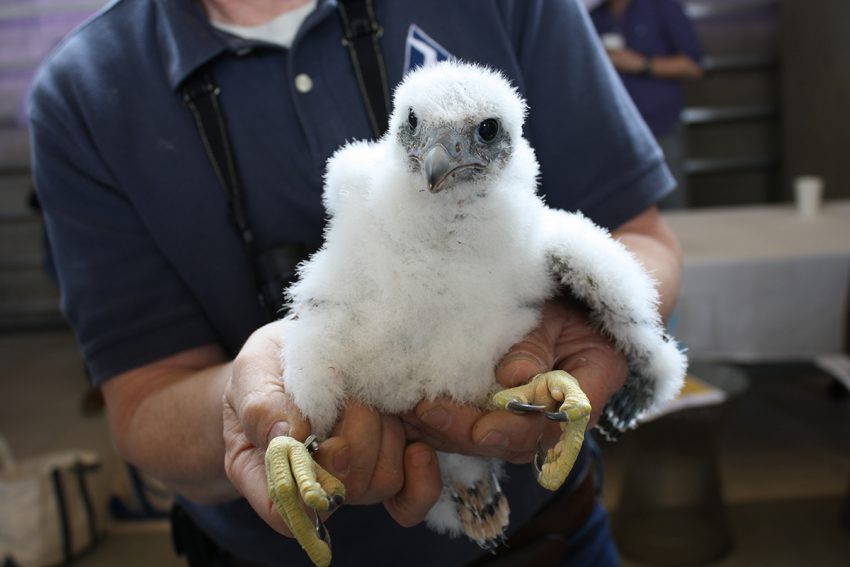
<point x="202" y="423"/>
<point x="166" y="419"/>
<point x="678" y="66"/>
<point x="650" y="239"/>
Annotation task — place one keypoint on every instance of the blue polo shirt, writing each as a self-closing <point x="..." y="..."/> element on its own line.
<point x="147" y="259"/>
<point x="653" y="28"/>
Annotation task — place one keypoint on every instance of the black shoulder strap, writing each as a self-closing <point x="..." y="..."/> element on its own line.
<point x="201" y="96"/>
<point x="362" y="35"/>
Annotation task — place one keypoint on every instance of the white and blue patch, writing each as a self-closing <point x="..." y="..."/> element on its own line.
<point x="421" y="50"/>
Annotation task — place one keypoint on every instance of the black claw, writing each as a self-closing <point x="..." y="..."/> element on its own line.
<point x="491" y="544"/>
<point x="321" y="530"/>
<point x="516" y="405"/>
<point x="335" y="502"/>
<point x="539" y="460"/>
<point x="556" y="416"/>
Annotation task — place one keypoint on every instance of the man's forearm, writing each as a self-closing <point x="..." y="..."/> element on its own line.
<point x="675" y="67"/>
<point x="650" y="239"/>
<point x="166" y="419"/>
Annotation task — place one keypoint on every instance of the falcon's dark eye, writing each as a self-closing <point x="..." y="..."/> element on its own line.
<point x="412" y="121"/>
<point x="488" y="129"/>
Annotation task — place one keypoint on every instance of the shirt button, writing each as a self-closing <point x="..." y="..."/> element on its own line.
<point x="303" y="83"/>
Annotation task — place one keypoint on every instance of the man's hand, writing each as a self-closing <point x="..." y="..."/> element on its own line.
<point x="367" y="451"/>
<point x="564" y="340"/>
<point x="370" y="454"/>
<point x="677" y="66"/>
<point x="627" y="60"/>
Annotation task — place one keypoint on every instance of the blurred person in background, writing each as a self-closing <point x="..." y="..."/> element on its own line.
<point x="653" y="47"/>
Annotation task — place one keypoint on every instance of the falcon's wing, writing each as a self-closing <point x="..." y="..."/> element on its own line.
<point x="623" y="301"/>
<point x="349" y="173"/>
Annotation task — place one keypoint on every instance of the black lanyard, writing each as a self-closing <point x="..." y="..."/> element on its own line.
<point x="201" y="96"/>
<point x="274" y="269"/>
<point x="362" y="35"/>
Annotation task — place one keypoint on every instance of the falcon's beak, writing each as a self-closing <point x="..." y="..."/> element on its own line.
<point x="444" y="158"/>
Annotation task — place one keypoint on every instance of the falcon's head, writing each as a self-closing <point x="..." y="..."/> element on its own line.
<point x="457" y="123"/>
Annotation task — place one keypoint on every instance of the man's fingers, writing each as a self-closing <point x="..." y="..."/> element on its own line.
<point x="520" y="365"/>
<point x="261" y="352"/>
<point x="601" y="371"/>
<point x="369" y="464"/>
<point x="388" y="475"/>
<point x="422" y="486"/>
<point x="471" y="431"/>
<point x="516" y="436"/>
<point x="445" y="425"/>
<point x="535" y="353"/>
<point x="256" y="392"/>
<point x="351" y="454"/>
<point x="245" y="467"/>
<point x="267" y="412"/>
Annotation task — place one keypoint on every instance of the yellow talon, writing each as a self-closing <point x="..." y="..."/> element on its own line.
<point x="291" y="472"/>
<point x="548" y="391"/>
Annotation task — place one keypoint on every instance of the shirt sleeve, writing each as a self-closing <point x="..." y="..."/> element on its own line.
<point x="125" y="302"/>
<point x="680" y="31"/>
<point x="596" y="153"/>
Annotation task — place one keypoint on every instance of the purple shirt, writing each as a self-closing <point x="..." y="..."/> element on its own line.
<point x="652" y="28"/>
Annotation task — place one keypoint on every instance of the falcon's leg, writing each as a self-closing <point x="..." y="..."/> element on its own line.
<point x="291" y="471"/>
<point x="546" y="392"/>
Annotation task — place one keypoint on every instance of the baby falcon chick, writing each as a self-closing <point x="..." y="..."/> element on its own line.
<point x="438" y="256"/>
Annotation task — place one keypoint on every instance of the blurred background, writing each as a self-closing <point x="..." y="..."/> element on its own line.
<point x="750" y="467"/>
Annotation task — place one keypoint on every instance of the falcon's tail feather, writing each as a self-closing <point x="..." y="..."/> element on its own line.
<point x="472" y="502"/>
<point x="483" y="511"/>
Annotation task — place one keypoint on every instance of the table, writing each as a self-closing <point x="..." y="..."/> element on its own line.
<point x="761" y="283"/>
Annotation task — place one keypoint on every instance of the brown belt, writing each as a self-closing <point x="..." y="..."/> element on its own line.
<point x="543" y="540"/>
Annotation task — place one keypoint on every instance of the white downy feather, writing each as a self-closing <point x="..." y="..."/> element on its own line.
<point x="416" y="295"/>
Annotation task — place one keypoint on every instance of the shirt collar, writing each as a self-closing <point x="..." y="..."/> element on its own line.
<point x="187" y="41"/>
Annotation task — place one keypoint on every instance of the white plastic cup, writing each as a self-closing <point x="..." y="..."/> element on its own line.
<point x="808" y="195"/>
<point x="612" y="41"/>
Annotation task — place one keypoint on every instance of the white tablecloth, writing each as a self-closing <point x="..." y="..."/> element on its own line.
<point x="761" y="283"/>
